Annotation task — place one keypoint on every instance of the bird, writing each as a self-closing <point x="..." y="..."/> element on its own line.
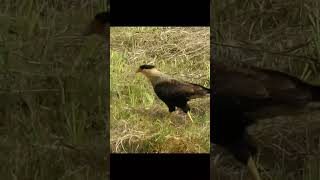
<point x="98" y="24"/>
<point x="172" y="92"/>
<point x="245" y="94"/>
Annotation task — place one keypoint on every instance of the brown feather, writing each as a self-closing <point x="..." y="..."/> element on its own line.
<point x="261" y="84"/>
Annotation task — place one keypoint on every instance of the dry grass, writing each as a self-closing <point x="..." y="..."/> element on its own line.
<point x="139" y="120"/>
<point x="278" y="35"/>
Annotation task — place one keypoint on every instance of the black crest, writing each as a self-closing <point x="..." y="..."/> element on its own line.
<point x="145" y="66"/>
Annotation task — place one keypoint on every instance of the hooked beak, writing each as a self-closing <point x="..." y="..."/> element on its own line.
<point x="139" y="70"/>
<point x="135" y="74"/>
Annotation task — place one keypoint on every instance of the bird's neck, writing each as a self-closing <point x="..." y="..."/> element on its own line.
<point x="156" y="77"/>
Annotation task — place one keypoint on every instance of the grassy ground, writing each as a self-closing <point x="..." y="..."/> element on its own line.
<point x="286" y="37"/>
<point x="139" y="120"/>
<point x="52" y="91"/>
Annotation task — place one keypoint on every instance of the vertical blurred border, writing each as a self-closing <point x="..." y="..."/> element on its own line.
<point x="54" y="91"/>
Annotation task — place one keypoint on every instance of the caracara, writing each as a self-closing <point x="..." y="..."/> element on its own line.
<point x="172" y="92"/>
<point x="98" y="24"/>
<point x="243" y="95"/>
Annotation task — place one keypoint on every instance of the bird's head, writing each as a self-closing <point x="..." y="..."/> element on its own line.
<point x="98" y="24"/>
<point x="147" y="70"/>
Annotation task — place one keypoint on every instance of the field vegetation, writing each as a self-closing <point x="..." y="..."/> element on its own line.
<point x="140" y="121"/>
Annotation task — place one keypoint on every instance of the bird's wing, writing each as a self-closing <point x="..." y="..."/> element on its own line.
<point x="284" y="87"/>
<point x="235" y="82"/>
<point x="254" y="88"/>
<point x="256" y="83"/>
<point x="175" y="89"/>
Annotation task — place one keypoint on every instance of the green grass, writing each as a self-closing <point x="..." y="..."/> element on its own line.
<point x="139" y="120"/>
<point x="52" y="91"/>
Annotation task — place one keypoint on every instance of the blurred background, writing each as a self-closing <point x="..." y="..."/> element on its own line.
<point x="53" y="91"/>
<point x="284" y="36"/>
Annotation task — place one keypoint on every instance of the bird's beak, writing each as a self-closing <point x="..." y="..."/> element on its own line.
<point x="135" y="74"/>
<point x="139" y="70"/>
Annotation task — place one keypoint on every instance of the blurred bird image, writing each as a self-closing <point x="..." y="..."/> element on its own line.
<point x="244" y="95"/>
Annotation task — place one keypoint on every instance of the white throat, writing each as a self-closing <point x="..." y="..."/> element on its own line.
<point x="155" y="76"/>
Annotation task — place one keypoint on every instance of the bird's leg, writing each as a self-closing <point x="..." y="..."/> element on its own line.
<point x="171" y="110"/>
<point x="253" y="169"/>
<point x="189" y="114"/>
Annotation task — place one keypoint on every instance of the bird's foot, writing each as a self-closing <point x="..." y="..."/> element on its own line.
<point x="253" y="169"/>
<point x="189" y="114"/>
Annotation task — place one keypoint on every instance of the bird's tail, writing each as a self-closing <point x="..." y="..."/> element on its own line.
<point x="199" y="91"/>
<point x="207" y="90"/>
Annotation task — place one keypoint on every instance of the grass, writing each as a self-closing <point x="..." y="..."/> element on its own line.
<point x="53" y="91"/>
<point x="285" y="36"/>
<point x="139" y="120"/>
